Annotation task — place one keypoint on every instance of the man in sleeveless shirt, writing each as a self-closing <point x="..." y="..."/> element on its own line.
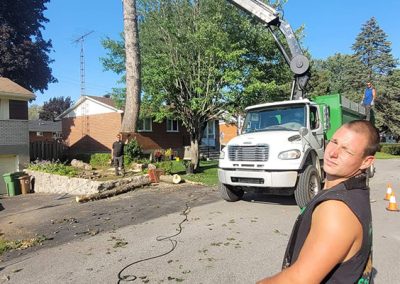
<point x="368" y="99"/>
<point x="331" y="241"/>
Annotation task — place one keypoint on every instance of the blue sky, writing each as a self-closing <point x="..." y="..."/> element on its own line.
<point x="331" y="26"/>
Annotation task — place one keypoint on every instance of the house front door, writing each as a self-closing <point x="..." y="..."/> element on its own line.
<point x="209" y="134"/>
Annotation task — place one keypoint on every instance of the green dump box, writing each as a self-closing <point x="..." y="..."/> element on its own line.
<point x="342" y="110"/>
<point x="13" y="183"/>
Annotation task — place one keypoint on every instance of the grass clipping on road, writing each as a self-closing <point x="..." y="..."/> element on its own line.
<point x="6" y="245"/>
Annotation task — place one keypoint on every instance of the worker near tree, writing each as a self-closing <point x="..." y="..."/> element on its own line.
<point x="369" y="99"/>
<point x="117" y="154"/>
<point x="331" y="241"/>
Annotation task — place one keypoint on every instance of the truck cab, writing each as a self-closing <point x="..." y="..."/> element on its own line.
<point x="279" y="142"/>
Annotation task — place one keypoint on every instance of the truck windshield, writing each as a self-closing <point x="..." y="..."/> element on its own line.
<point x="275" y="118"/>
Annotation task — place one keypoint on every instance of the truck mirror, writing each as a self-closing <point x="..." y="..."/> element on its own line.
<point x="303" y="131"/>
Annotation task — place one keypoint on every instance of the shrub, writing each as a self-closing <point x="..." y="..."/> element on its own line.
<point x="166" y="166"/>
<point x="393" y="149"/>
<point x="133" y="151"/>
<point x="53" y="168"/>
<point x="101" y="160"/>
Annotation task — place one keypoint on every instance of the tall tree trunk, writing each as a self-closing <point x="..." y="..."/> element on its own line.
<point x="132" y="63"/>
<point x="195" y="141"/>
<point x="194" y="153"/>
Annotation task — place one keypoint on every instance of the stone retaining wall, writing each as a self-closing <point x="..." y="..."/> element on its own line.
<point x="50" y="183"/>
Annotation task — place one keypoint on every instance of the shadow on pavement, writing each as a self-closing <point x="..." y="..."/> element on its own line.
<point x="268" y="198"/>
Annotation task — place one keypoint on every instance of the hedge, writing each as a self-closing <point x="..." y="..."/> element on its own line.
<point x="393" y="149"/>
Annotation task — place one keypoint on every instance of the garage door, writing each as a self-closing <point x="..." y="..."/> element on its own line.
<point x="8" y="164"/>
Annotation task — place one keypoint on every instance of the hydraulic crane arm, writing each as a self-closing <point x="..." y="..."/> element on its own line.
<point x="299" y="64"/>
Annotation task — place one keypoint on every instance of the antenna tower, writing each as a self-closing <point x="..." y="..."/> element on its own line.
<point x="81" y="40"/>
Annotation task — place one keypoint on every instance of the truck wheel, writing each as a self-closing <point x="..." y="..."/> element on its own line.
<point x="230" y="193"/>
<point x="308" y="186"/>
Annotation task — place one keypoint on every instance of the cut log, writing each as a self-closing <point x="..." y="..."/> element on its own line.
<point x="171" y="179"/>
<point x="115" y="191"/>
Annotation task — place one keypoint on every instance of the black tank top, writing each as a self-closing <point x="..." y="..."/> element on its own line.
<point x="355" y="194"/>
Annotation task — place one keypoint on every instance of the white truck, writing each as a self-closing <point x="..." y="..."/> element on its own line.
<point x="280" y="150"/>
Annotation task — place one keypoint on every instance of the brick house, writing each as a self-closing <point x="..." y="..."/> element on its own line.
<point x="228" y="131"/>
<point x="14" y="134"/>
<point x="91" y="124"/>
<point x="42" y="130"/>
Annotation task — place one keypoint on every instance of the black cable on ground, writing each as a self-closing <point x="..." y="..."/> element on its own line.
<point x="174" y="243"/>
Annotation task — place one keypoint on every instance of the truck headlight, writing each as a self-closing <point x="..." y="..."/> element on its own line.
<point x="289" y="155"/>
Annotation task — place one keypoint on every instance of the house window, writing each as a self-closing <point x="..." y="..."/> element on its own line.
<point x="18" y="110"/>
<point x="145" y="125"/>
<point x="172" y="125"/>
<point x="39" y="133"/>
<point x="210" y="130"/>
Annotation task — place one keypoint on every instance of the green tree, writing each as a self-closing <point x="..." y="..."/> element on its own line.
<point x="340" y="73"/>
<point x="33" y="112"/>
<point x="388" y="105"/>
<point x="374" y="50"/>
<point x="202" y="58"/>
<point x="23" y="51"/>
<point x="54" y="107"/>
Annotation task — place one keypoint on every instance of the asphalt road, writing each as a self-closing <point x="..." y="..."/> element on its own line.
<point x="220" y="242"/>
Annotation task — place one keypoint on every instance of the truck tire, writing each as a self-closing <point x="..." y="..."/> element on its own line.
<point x="230" y="193"/>
<point x="308" y="185"/>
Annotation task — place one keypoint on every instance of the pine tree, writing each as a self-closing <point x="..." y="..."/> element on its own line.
<point x="374" y="50"/>
<point x="388" y="105"/>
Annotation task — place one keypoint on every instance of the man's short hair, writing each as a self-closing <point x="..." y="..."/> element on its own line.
<point x="371" y="133"/>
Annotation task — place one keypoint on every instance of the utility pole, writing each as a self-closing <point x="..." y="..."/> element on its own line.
<point x="81" y="40"/>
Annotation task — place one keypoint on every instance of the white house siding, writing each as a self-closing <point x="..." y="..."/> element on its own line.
<point x="89" y="107"/>
<point x="4" y="108"/>
<point x="8" y="164"/>
<point x="14" y="142"/>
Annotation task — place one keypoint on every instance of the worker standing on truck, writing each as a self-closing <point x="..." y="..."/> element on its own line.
<point x="331" y="241"/>
<point x="369" y="99"/>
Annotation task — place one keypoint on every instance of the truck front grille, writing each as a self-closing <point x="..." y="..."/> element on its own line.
<point x="248" y="180"/>
<point x="257" y="153"/>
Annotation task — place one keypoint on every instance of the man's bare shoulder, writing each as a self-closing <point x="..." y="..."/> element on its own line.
<point x="334" y="214"/>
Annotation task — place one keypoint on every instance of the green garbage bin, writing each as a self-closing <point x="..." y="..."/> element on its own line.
<point x="13" y="183"/>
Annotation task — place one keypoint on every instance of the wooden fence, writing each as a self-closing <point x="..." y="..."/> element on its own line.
<point x="47" y="150"/>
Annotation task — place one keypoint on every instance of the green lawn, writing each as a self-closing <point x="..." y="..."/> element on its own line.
<point x="207" y="174"/>
<point x="381" y="155"/>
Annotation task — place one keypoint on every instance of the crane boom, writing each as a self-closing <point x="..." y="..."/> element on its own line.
<point x="298" y="63"/>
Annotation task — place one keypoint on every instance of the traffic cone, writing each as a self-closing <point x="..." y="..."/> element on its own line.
<point x="392" y="204"/>
<point x="389" y="192"/>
